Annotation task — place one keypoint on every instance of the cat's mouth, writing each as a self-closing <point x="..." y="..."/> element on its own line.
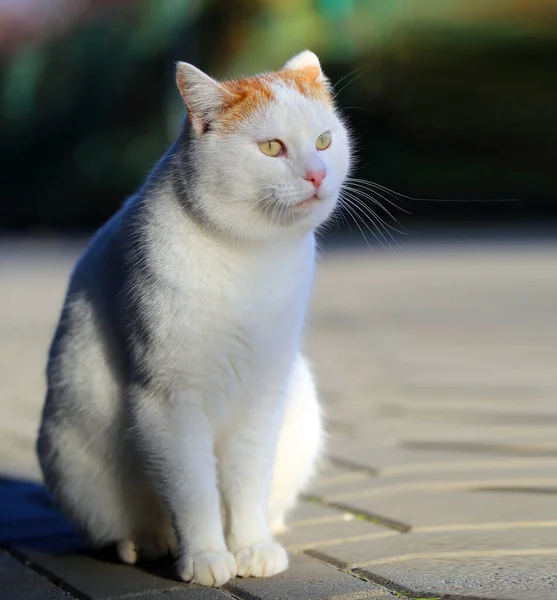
<point x="308" y="202"/>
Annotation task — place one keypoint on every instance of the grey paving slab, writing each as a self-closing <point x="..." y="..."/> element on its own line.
<point x="525" y="473"/>
<point x="103" y="580"/>
<point x="498" y="578"/>
<point x="437" y="545"/>
<point x="309" y="535"/>
<point x="426" y="507"/>
<point x="384" y="450"/>
<point x="306" y="579"/>
<point x="310" y="512"/>
<point x="18" y="582"/>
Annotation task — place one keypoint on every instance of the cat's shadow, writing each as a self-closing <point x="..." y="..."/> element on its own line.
<point x="164" y="567"/>
<point x="30" y="522"/>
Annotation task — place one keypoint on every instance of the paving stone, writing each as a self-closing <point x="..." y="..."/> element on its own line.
<point x="311" y="512"/>
<point x="18" y="582"/>
<point x="104" y="580"/>
<point x="311" y="535"/>
<point x="353" y="480"/>
<point x="490" y="474"/>
<point x="427" y="508"/>
<point x="306" y="579"/>
<point x="497" y="577"/>
<point x="384" y="450"/>
<point x="439" y="544"/>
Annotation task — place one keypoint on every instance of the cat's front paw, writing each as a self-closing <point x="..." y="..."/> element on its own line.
<point x="261" y="560"/>
<point x="208" y="568"/>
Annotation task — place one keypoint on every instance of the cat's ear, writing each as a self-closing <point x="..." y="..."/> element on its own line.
<point x="307" y="65"/>
<point x="203" y="96"/>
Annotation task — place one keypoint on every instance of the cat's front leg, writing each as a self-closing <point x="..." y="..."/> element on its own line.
<point x="246" y="470"/>
<point x="176" y="442"/>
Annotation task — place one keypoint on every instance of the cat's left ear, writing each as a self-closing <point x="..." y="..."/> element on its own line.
<point x="204" y="97"/>
<point x="307" y="65"/>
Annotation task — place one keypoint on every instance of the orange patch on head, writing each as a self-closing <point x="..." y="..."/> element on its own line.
<point x="308" y="82"/>
<point x="247" y="96"/>
<point x="250" y="95"/>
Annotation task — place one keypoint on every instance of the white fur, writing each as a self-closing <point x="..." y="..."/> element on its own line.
<point x="180" y="414"/>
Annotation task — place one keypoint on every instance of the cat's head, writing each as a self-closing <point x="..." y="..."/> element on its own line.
<point x="270" y="152"/>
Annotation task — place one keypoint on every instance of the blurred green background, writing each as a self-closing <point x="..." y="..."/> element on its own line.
<point x="449" y="99"/>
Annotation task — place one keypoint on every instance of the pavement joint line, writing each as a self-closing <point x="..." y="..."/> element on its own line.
<point x="328" y="559"/>
<point x="347" y="477"/>
<point x="48" y="575"/>
<point x="343" y="540"/>
<point x="75" y="593"/>
<point x="490" y="526"/>
<point x="458" y="554"/>
<point x="362" y="514"/>
<point x="502" y="463"/>
<point x="361" y="595"/>
<point x="522" y="450"/>
<point x="391" y="587"/>
<point x="438" y="486"/>
<point x="340" y="566"/>
<point x="236" y="592"/>
<point x="517" y="490"/>
<point x="406" y="593"/>
<point x="351" y="465"/>
<point x="339" y="518"/>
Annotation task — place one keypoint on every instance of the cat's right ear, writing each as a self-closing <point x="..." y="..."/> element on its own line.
<point x="203" y="96"/>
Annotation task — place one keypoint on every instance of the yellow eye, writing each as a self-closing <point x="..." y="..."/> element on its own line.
<point x="271" y="147"/>
<point x="323" y="141"/>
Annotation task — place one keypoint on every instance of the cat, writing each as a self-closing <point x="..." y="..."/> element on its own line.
<point x="181" y="416"/>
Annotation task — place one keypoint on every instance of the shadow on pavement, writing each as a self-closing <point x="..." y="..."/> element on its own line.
<point x="29" y="519"/>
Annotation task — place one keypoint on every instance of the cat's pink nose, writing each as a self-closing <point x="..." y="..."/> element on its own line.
<point x="315" y="176"/>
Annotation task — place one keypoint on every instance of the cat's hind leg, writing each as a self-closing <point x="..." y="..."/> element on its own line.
<point x="300" y="445"/>
<point x="84" y="484"/>
<point x="106" y="502"/>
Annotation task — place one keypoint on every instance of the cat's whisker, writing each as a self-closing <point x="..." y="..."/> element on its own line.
<point x="359" y="193"/>
<point x="337" y="215"/>
<point x="378" y="185"/>
<point x="369" y="189"/>
<point x="354" y="72"/>
<point x="357" y="216"/>
<point x="357" y="75"/>
<point x="374" y="183"/>
<point x="379" y="223"/>
<point x="372" y="187"/>
<point x="377" y="203"/>
<point x="264" y="202"/>
<point x="373" y="218"/>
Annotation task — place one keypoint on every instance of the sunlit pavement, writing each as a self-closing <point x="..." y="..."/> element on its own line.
<point x="437" y="371"/>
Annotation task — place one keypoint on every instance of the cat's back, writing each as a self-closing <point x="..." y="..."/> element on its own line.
<point x="87" y="338"/>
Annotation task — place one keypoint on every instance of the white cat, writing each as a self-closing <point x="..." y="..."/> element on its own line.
<point x="180" y="415"/>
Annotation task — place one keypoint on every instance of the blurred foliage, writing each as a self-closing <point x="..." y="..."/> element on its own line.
<point x="447" y="98"/>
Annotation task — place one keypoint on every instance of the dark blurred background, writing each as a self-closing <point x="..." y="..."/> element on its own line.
<point x="450" y="100"/>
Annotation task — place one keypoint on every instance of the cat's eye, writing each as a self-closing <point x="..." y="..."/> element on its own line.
<point x="323" y="141"/>
<point x="272" y="147"/>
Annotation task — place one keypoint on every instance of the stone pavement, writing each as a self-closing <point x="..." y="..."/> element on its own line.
<point x="437" y="371"/>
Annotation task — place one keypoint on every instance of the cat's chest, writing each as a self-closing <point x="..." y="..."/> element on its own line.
<point x="261" y="298"/>
<point x="238" y="325"/>
<point x="244" y="305"/>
